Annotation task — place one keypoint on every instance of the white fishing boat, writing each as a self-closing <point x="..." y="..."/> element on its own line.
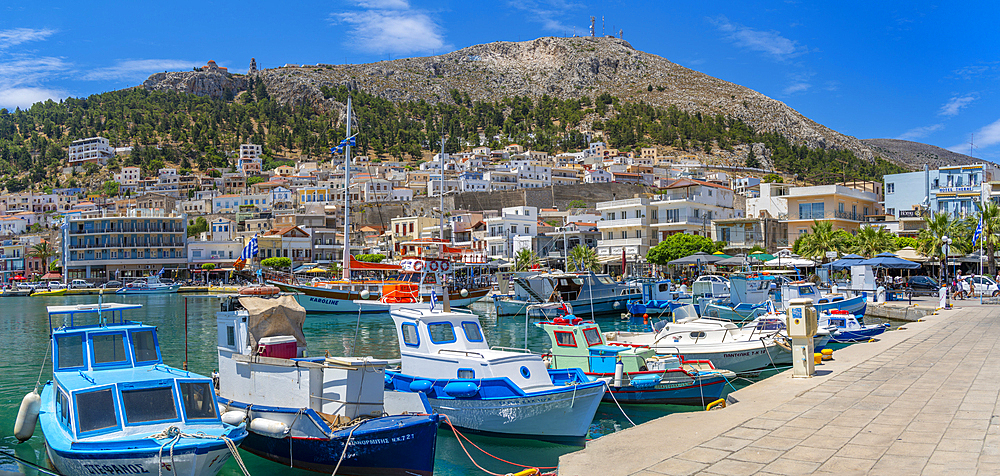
<point x="587" y="292"/>
<point x="489" y="390"/>
<point x="149" y="285"/>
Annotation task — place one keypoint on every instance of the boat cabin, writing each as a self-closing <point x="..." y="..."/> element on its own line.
<point x="451" y="345"/>
<point x="579" y="344"/>
<point x="109" y="377"/>
<point x="803" y="289"/>
<point x="839" y="319"/>
<point x="555" y="287"/>
<point x="658" y="291"/>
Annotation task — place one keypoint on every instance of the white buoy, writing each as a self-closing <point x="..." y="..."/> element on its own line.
<point x="619" y="370"/>
<point x="365" y="294"/>
<point x="464" y="292"/>
<point x="234" y="417"/>
<point x="272" y="428"/>
<point x="27" y="415"/>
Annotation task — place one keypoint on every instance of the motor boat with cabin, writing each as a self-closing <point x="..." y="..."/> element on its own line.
<point x="327" y="414"/>
<point x="149" y="285"/>
<point x="634" y="374"/>
<point x="587" y="292"/>
<point x="846" y="328"/>
<point x="114" y="407"/>
<point x="493" y="391"/>
<point x="727" y="345"/>
<point x="749" y="293"/>
<point x="823" y="302"/>
<point x="656" y="299"/>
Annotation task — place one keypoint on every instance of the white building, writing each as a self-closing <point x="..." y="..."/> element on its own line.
<point x="400" y="194"/>
<point x="598" y="176"/>
<point x="512" y="222"/>
<point x="92" y="149"/>
<point x="624" y="226"/>
<point x="771" y="201"/>
<point x="129" y="176"/>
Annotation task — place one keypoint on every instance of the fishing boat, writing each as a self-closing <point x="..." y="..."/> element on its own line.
<point x="114" y="407"/>
<point x="726" y="345"/>
<point x="846" y="328"/>
<point x="587" y="292"/>
<point x="49" y="292"/>
<point x="489" y="390"/>
<point x="149" y="285"/>
<point x="19" y="291"/>
<point x="823" y="302"/>
<point x="633" y="374"/>
<point x="327" y="414"/>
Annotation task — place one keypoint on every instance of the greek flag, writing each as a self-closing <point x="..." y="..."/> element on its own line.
<point x="979" y="231"/>
<point x="433" y="298"/>
<point x="350" y="141"/>
<point x="250" y="250"/>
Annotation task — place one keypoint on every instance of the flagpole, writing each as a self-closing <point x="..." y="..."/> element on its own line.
<point x="347" y="197"/>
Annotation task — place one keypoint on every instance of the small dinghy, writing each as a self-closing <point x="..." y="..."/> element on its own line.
<point x="846" y="328"/>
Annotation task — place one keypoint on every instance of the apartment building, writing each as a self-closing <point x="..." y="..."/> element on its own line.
<point x="95" y="150"/>
<point x="689" y="206"/>
<point x="290" y="242"/>
<point x="624" y="226"/>
<point x="845" y="207"/>
<point x="131" y="244"/>
<point x="502" y="231"/>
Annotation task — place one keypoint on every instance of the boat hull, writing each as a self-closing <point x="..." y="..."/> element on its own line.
<point x="855" y="305"/>
<point x="705" y="390"/>
<point x="165" y="290"/>
<point x="393" y="445"/>
<point x="190" y="461"/>
<point x="316" y="300"/>
<point x="841" y="336"/>
<point x="744" y="357"/>
<point x="581" y="307"/>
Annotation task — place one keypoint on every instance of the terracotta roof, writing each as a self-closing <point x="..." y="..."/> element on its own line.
<point x="687" y="182"/>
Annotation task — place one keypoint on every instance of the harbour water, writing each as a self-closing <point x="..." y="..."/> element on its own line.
<point x="24" y="348"/>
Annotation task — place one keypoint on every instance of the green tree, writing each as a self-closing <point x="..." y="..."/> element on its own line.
<point x="931" y="238"/>
<point x="822" y="239"/>
<point x="525" y="259"/>
<point x="678" y="246"/>
<point x="254" y="180"/>
<point x="200" y="225"/>
<point x="872" y="240"/>
<point x="370" y="258"/>
<point x="990" y="217"/>
<point x="752" y="161"/>
<point x="577" y="204"/>
<point x="772" y="178"/>
<point x="111" y="188"/>
<point x="208" y="266"/>
<point x="43" y="252"/>
<point x="583" y="257"/>
<point x="906" y="241"/>
<point x="277" y="262"/>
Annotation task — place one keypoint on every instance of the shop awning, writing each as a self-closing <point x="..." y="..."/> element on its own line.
<point x="365" y="266"/>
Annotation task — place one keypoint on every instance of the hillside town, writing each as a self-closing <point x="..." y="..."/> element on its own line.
<point x="194" y="223"/>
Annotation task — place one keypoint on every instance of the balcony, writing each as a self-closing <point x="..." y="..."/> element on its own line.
<point x="622" y="222"/>
<point x="624" y="242"/>
<point x="684" y="220"/>
<point x="835" y="215"/>
<point x="631" y="202"/>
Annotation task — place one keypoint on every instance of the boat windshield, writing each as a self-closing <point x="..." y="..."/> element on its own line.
<point x="593" y="336"/>
<point x="605" y="280"/>
<point x="145" y="346"/>
<point x="96" y="410"/>
<point x="70" y="351"/>
<point x="198" y="403"/>
<point x="149" y="404"/>
<point x="108" y="348"/>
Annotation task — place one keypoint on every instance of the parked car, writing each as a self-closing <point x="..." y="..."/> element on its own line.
<point x="80" y="284"/>
<point x="55" y="285"/>
<point x="923" y="285"/>
<point x="112" y="285"/>
<point x="983" y="285"/>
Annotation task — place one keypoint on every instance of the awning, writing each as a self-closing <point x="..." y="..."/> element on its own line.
<point x="365" y="266"/>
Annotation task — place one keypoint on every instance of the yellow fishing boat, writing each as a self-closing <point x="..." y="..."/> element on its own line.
<point x="57" y="292"/>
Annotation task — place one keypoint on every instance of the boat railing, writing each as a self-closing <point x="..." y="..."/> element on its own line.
<point x="511" y="349"/>
<point x="703" y="333"/>
<point x="466" y="353"/>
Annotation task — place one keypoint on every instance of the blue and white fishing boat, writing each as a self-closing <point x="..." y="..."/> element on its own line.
<point x="113" y="407"/>
<point x="823" y="303"/>
<point x="587" y="292"/>
<point x="655" y="300"/>
<point x="149" y="285"/>
<point x="633" y="374"/>
<point x="845" y="327"/>
<point x="328" y="414"/>
<point x="486" y="390"/>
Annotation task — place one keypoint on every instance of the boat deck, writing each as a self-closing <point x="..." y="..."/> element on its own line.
<point x="919" y="401"/>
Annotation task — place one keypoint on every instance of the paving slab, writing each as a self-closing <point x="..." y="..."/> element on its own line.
<point x="918" y="401"/>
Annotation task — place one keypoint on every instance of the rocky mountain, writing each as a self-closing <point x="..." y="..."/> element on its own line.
<point x="915" y="154"/>
<point x="561" y="67"/>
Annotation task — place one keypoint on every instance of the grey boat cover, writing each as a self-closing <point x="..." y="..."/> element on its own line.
<point x="271" y="317"/>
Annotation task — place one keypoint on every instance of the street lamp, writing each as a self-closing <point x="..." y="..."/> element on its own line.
<point x="945" y="247"/>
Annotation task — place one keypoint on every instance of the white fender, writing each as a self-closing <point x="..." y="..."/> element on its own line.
<point x="27" y="415"/>
<point x="222" y="408"/>
<point x="271" y="428"/>
<point x="234" y="417"/>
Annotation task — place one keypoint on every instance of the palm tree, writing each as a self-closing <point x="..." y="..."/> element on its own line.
<point x="872" y="240"/>
<point x="931" y="237"/>
<point x="990" y="216"/>
<point x="822" y="239"/>
<point x="43" y="252"/>
<point x="524" y="260"/>
<point x="583" y="257"/>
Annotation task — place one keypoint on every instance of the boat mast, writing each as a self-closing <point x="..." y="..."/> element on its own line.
<point x="347" y="196"/>
<point x="441" y="190"/>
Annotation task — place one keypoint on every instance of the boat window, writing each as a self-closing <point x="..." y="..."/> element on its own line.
<point x="410" y="336"/>
<point x="664" y="287"/>
<point x="149" y="404"/>
<point x="63" y="403"/>
<point x="578" y="281"/>
<point x="70" y="351"/>
<point x="592" y="335"/>
<point x="472" y="331"/>
<point x="96" y="410"/>
<point x="441" y="332"/>
<point x="144" y="344"/>
<point x="605" y="280"/>
<point x="198" y="402"/>
<point x="806" y="291"/>
<point x="565" y="339"/>
<point x="466" y="373"/>
<point x="108" y="348"/>
<point x="697" y="334"/>
<point x="230" y="336"/>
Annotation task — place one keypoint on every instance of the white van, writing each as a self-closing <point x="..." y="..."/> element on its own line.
<point x="80" y="284"/>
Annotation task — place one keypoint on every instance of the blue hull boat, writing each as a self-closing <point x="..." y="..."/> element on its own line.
<point x="855" y="305"/>
<point x="845" y="328"/>
<point x="707" y="390"/>
<point x="368" y="453"/>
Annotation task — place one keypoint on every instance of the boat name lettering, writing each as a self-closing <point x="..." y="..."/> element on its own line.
<point x="115" y="469"/>
<point x="743" y="354"/>
<point x="332" y="302"/>
<point x="383" y="441"/>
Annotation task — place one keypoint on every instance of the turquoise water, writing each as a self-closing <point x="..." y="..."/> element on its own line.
<point x="24" y="347"/>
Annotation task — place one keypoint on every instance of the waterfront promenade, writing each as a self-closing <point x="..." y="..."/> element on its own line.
<point x="921" y="400"/>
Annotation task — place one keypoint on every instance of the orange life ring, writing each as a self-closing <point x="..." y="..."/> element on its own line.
<point x="445" y="266"/>
<point x="418" y="265"/>
<point x="433" y="266"/>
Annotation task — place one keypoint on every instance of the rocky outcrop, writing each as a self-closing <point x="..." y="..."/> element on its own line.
<point x="561" y="67"/>
<point x="915" y="154"/>
<point x="213" y="83"/>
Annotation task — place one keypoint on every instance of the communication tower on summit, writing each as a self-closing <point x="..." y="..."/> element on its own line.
<point x="620" y="34"/>
<point x="592" y="20"/>
<point x="602" y="26"/>
<point x="253" y="67"/>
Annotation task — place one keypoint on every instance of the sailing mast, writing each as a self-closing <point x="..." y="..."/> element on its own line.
<point x="347" y="196"/>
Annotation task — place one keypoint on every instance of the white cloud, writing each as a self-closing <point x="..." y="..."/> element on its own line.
<point x="796" y="88"/>
<point x="987" y="136"/>
<point x="23" y="98"/>
<point x="138" y="68"/>
<point x="390" y="26"/>
<point x="16" y="36"/>
<point x="919" y="132"/>
<point x="547" y="12"/>
<point x="23" y="70"/>
<point x="768" y="42"/>
<point x="955" y="104"/>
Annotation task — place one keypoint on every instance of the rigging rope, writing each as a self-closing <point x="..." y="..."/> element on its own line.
<point x="459" y="436"/>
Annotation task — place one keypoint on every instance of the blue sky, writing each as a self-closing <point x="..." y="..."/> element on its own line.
<point x="914" y="70"/>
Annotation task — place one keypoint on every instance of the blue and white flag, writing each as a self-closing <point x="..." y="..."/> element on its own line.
<point x="160" y="273"/>
<point x="979" y="231"/>
<point x="250" y="250"/>
<point x="350" y="141"/>
<point x="433" y="298"/>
